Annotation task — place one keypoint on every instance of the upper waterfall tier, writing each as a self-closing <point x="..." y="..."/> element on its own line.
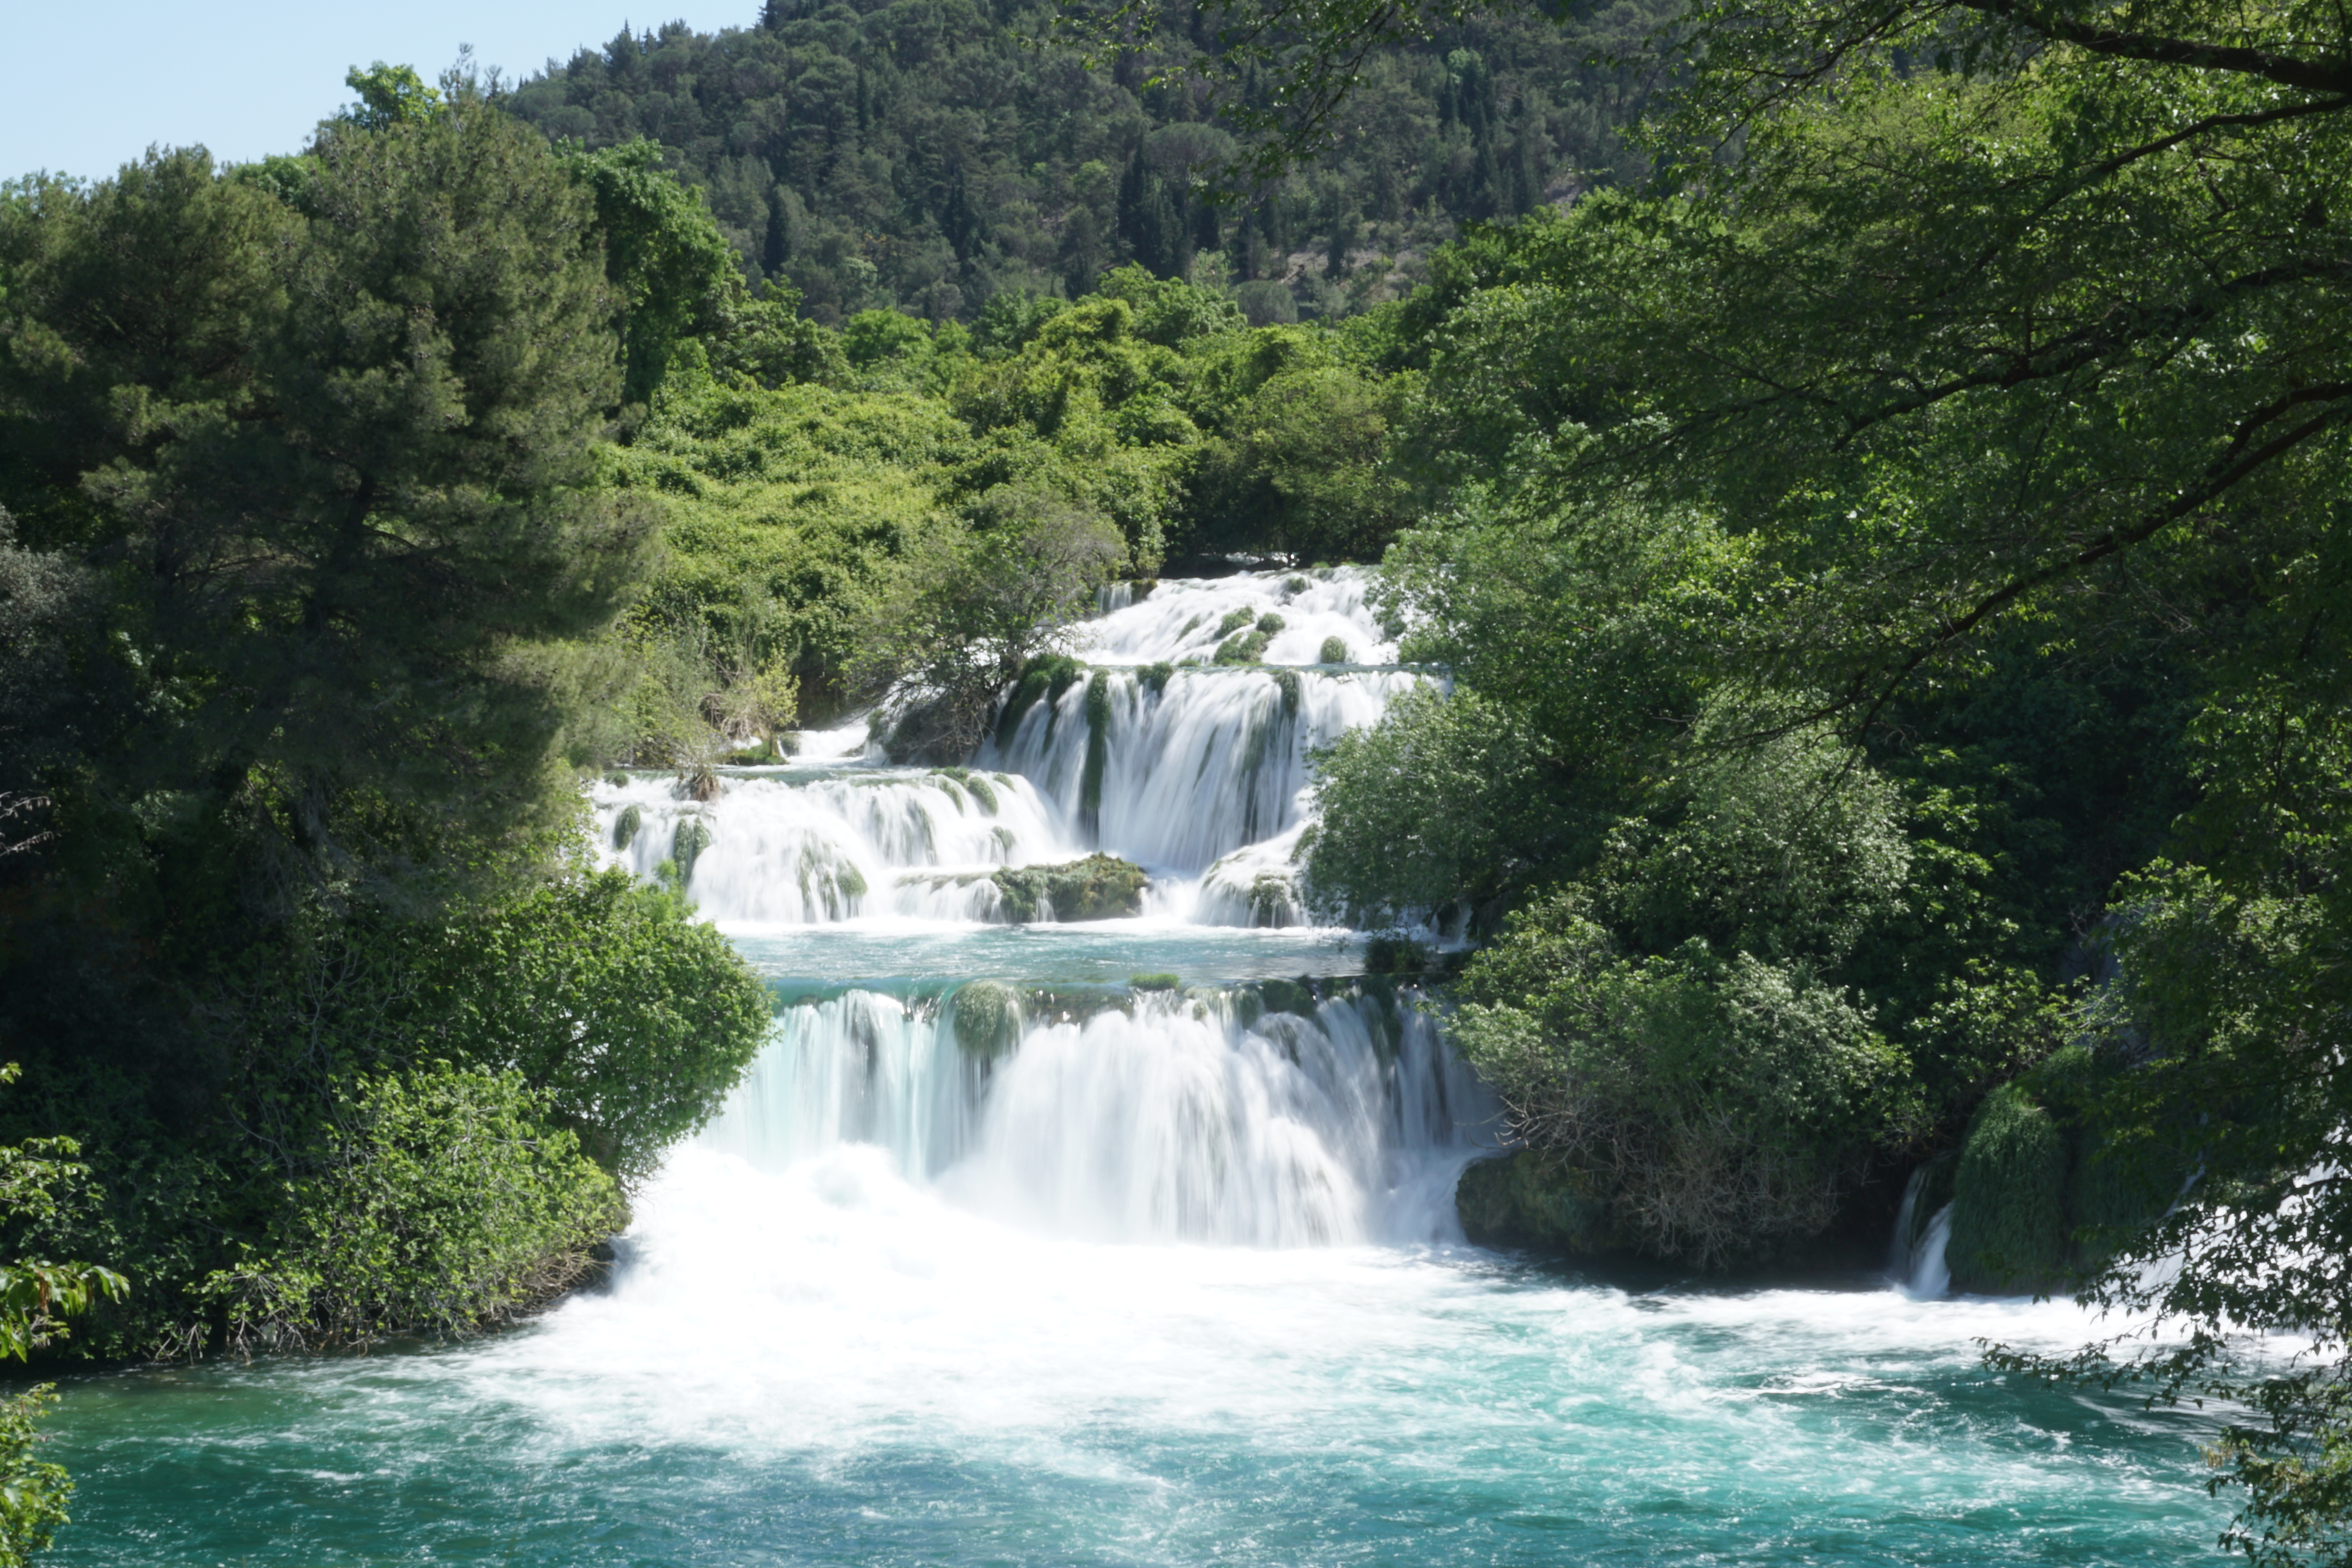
<point x="802" y="851"/>
<point x="1192" y="767"/>
<point x="1198" y="772"/>
<point x="1180" y="618"/>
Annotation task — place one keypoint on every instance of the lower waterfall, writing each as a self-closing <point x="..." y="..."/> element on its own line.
<point x="1159" y="1117"/>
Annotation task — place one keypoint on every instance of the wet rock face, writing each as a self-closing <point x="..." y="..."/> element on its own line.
<point x="1100" y="887"/>
<point x="1525" y="1200"/>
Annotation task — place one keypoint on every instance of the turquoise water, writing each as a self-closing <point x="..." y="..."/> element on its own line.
<point x="943" y="1392"/>
<point x="1175" y="1282"/>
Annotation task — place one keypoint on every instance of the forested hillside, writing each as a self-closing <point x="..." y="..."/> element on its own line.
<point x="927" y="155"/>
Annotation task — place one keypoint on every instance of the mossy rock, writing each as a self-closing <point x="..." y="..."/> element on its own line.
<point x="1155" y="677"/>
<point x="1524" y="1200"/>
<point x="626" y="826"/>
<point x="1044" y="678"/>
<point x="1396" y="956"/>
<point x="2009" y="1198"/>
<point x="1100" y="887"/>
<point x="1233" y="622"/>
<point x="687" y="843"/>
<point x="1154" y="982"/>
<point x="1269" y="623"/>
<point x="1333" y="652"/>
<point x="1287" y="996"/>
<point x="1242" y="648"/>
<point x="1287" y="682"/>
<point x="987" y="1019"/>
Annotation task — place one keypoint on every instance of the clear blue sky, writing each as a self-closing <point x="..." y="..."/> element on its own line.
<point x="85" y="85"/>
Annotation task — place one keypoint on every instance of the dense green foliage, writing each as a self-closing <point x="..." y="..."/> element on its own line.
<point x="1968" y="384"/>
<point x="39" y="1180"/>
<point x="309" y="552"/>
<point x="932" y="156"/>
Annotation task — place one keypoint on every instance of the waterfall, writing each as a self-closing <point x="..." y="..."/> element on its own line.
<point x="1210" y="1113"/>
<point x="781" y="850"/>
<point x="1916" y="1253"/>
<point x="1200" y="763"/>
<point x="1157" y="1116"/>
<point x="1200" y="774"/>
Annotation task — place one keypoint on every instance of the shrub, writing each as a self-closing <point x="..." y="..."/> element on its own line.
<point x="33" y="1492"/>
<point x="1333" y="652"/>
<point x="1723" y="1108"/>
<point x="436" y="1202"/>
<point x="2009" y="1197"/>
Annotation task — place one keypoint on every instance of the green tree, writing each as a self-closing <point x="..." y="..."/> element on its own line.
<point x="338" y="476"/>
<point x="37" y="1178"/>
<point x="2003" y="329"/>
<point x="672" y="274"/>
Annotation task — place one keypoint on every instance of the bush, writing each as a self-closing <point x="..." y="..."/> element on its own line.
<point x="630" y="1019"/>
<point x="2009" y="1197"/>
<point x="1722" y="1107"/>
<point x="33" y="1492"/>
<point x="436" y="1202"/>
<point x="1333" y="652"/>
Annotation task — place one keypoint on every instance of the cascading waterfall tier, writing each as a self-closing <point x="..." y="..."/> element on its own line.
<point x="1198" y="772"/>
<point x="1197" y="1116"/>
<point x="1197" y="764"/>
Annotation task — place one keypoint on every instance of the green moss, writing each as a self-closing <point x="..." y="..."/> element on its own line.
<point x="1100" y="887"/>
<point x="1045" y="678"/>
<point x="1090" y="781"/>
<point x="1154" y="982"/>
<point x="687" y="843"/>
<point x="1233" y="622"/>
<point x="1287" y="682"/>
<point x="1524" y="1200"/>
<point x="850" y="881"/>
<point x="1294" y="585"/>
<point x="1333" y="652"/>
<point x="987" y="1019"/>
<point x="626" y="826"/>
<point x="1287" y="996"/>
<point x="2009" y="1197"/>
<point x="1269" y="623"/>
<point x="1271" y="895"/>
<point x="1242" y="648"/>
<point x="948" y="787"/>
<point x="1155" y="677"/>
